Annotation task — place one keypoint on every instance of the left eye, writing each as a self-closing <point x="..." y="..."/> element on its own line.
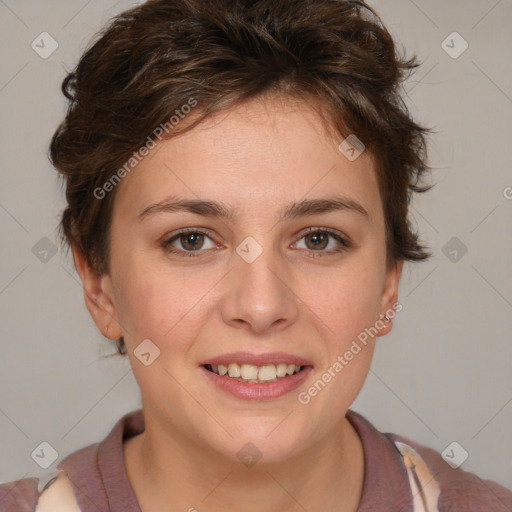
<point x="318" y="240"/>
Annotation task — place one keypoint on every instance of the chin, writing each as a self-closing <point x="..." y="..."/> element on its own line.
<point x="261" y="442"/>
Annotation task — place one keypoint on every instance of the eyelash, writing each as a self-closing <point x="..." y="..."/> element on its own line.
<point x="345" y="243"/>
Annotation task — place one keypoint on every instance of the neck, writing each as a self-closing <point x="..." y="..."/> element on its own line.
<point x="176" y="473"/>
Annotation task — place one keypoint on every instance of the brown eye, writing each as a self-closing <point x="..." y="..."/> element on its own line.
<point x="186" y="243"/>
<point x="192" y="241"/>
<point x="318" y="240"/>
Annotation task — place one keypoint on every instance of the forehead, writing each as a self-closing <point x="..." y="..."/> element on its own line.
<point x="256" y="157"/>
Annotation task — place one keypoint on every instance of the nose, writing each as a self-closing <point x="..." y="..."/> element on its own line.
<point x="258" y="295"/>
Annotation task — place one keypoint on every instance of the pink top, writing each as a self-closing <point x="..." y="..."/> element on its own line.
<point x="100" y="483"/>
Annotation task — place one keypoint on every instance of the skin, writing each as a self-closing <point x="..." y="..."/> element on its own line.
<point x="262" y="155"/>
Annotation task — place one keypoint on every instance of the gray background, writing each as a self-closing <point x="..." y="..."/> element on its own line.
<point x="442" y="375"/>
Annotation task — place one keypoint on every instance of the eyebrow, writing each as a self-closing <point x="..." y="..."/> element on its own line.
<point x="304" y="208"/>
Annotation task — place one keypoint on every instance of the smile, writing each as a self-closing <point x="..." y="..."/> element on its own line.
<point x="254" y="374"/>
<point x="256" y="389"/>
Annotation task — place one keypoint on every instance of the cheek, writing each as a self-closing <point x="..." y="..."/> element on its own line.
<point x="345" y="311"/>
<point x="346" y="303"/>
<point x="154" y="303"/>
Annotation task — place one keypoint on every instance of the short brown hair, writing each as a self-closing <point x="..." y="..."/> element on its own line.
<point x="150" y="60"/>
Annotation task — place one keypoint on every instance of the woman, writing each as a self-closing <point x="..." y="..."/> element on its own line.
<point x="238" y="177"/>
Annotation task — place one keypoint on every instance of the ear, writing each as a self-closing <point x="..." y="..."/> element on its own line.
<point x="389" y="301"/>
<point x="98" y="296"/>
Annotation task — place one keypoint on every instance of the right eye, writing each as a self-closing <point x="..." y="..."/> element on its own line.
<point x="191" y="241"/>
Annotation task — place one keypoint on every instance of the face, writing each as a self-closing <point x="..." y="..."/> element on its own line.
<point x="282" y="262"/>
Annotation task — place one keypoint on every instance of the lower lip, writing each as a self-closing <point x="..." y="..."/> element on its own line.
<point x="247" y="391"/>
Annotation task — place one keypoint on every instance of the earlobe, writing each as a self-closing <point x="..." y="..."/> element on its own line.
<point x="98" y="296"/>
<point x="390" y="298"/>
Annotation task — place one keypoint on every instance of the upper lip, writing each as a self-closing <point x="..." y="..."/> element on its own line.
<point x="257" y="359"/>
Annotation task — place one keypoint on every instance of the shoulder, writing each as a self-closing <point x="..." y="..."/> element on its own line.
<point x="88" y="470"/>
<point x="51" y="494"/>
<point x="461" y="491"/>
<point x="19" y="495"/>
<point x="41" y="494"/>
<point x="26" y="494"/>
<point x="57" y="495"/>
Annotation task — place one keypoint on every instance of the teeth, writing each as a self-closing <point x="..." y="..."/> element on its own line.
<point x="248" y="372"/>
<point x="233" y="370"/>
<point x="267" y="372"/>
<point x="281" y="369"/>
<point x="255" y="374"/>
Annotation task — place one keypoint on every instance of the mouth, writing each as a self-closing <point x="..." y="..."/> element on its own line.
<point x="252" y="374"/>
